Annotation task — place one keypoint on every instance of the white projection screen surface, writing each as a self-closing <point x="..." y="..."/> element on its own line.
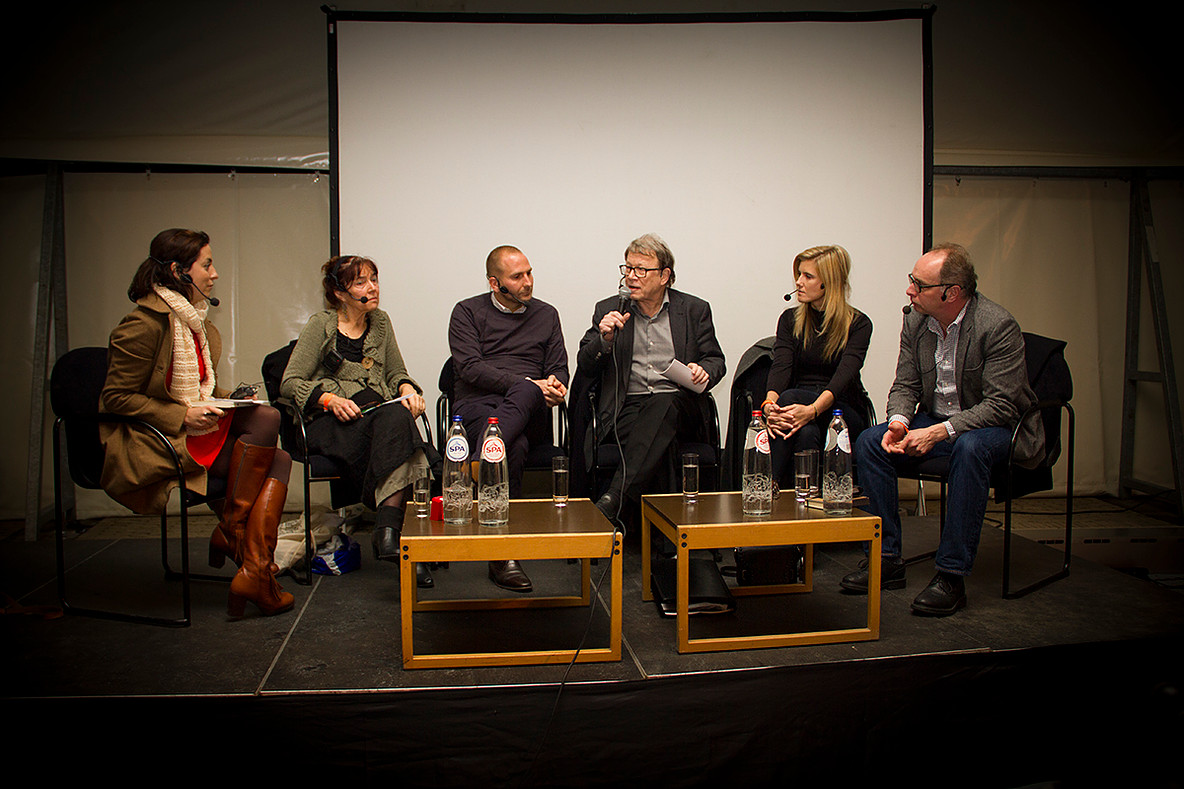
<point x="740" y="143"/>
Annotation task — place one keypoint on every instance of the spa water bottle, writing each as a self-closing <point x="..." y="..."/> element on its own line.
<point x="458" y="480"/>
<point x="836" y="468"/>
<point x="493" y="478"/>
<point x="758" y="469"/>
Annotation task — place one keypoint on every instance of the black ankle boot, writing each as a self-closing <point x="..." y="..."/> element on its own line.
<point x="384" y="539"/>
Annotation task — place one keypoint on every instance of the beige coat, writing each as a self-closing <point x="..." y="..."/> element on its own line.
<point x="137" y="471"/>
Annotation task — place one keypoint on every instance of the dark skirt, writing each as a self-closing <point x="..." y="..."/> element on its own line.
<point x="371" y="447"/>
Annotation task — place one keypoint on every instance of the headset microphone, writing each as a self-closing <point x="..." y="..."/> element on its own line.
<point x="188" y="280"/>
<point x="506" y="292"/>
<point x="789" y="296"/>
<point x="906" y="309"/>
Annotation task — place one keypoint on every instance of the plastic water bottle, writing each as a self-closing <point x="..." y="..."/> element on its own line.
<point x="758" y="469"/>
<point x="836" y="468"/>
<point x="493" y="478"/>
<point x="458" y="481"/>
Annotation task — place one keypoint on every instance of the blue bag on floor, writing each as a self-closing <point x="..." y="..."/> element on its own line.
<point x="339" y="555"/>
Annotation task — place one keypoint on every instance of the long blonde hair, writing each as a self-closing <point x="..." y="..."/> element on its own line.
<point x="834" y="266"/>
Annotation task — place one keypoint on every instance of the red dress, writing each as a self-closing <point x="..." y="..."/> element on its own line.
<point x="204" y="448"/>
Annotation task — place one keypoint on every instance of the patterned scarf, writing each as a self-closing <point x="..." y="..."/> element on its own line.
<point x="187" y="320"/>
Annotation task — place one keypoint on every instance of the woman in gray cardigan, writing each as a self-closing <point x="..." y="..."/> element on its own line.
<point x="345" y="361"/>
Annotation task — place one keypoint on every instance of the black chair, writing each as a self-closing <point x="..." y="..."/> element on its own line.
<point x="76" y="384"/>
<point x="749" y="387"/>
<point x="1051" y="380"/>
<point x="547" y="431"/>
<point x="592" y="478"/>
<point x="316" y="468"/>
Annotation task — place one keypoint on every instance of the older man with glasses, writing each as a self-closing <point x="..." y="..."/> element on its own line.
<point x="961" y="385"/>
<point x="634" y="338"/>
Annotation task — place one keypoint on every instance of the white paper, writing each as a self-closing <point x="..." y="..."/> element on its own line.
<point x="681" y="375"/>
<point x="221" y="402"/>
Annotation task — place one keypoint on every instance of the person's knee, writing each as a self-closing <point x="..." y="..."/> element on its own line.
<point x="797" y="397"/>
<point x="869" y="441"/>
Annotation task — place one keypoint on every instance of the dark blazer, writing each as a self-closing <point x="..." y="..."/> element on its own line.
<point x="990" y="369"/>
<point x="694" y="341"/>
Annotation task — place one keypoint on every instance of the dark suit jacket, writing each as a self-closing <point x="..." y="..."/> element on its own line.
<point x="694" y="341"/>
<point x="992" y="376"/>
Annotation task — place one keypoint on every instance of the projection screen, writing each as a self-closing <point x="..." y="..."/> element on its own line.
<point x="740" y="140"/>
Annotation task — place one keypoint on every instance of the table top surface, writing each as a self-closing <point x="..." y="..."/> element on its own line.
<point x="527" y="517"/>
<point x="714" y="509"/>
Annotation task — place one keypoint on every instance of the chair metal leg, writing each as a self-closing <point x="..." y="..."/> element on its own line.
<point x="59" y="535"/>
<point x="1008" y="594"/>
<point x="941" y="522"/>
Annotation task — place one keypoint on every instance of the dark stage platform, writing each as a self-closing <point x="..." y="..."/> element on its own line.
<point x="1078" y="683"/>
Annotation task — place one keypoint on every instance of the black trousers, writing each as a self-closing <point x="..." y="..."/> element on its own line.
<point x="647" y="427"/>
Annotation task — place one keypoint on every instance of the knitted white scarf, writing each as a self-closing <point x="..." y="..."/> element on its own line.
<point x="186" y="319"/>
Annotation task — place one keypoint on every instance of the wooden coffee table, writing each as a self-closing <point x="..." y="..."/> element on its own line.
<point x="716" y="521"/>
<point x="537" y="530"/>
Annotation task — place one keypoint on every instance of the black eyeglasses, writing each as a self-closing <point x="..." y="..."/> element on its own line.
<point x="920" y="287"/>
<point x="638" y="271"/>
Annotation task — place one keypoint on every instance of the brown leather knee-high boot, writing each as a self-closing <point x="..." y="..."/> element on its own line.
<point x="249" y="464"/>
<point x="255" y="580"/>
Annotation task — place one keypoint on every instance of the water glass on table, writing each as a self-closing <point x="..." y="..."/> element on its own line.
<point x="421" y="494"/>
<point x="805" y="474"/>
<point x="559" y="477"/>
<point x="690" y="477"/>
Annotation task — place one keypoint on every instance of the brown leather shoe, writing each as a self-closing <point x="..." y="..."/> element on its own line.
<point x="255" y="580"/>
<point x="508" y="575"/>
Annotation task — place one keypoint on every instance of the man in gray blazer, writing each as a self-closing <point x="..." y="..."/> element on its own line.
<point x="961" y="385"/>
<point x="634" y="337"/>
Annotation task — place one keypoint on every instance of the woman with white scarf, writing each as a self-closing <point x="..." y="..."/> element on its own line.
<point x="161" y="367"/>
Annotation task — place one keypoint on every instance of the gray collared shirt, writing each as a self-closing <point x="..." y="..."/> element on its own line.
<point x="653" y="351"/>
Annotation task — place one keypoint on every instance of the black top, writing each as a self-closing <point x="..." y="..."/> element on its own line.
<point x="801" y="365"/>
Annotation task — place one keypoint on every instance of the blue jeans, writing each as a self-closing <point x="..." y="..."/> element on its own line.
<point x="972" y="455"/>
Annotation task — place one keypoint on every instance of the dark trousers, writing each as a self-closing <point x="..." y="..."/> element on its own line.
<point x="647" y="426"/>
<point x="809" y="436"/>
<point x="514" y="411"/>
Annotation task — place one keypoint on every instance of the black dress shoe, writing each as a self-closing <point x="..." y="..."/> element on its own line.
<point x="610" y="505"/>
<point x="891" y="575"/>
<point x="945" y="594"/>
<point x="508" y="575"/>
<point x="423" y="576"/>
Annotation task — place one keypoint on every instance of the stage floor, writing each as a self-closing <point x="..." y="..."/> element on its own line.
<point x="344" y="633"/>
<point x="1078" y="684"/>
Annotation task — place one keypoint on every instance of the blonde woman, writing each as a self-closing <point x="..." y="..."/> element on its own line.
<point x="820" y="347"/>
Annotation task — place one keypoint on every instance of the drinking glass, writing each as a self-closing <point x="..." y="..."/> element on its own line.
<point x="690" y="477"/>
<point x="559" y="477"/>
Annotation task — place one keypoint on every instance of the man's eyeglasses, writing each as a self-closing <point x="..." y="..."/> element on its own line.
<point x="637" y="271"/>
<point x="921" y="286"/>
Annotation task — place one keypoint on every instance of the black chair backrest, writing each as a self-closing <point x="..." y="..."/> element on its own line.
<point x="75" y="385"/>
<point x="274" y="365"/>
<point x="1050" y="379"/>
<point x="273" y="368"/>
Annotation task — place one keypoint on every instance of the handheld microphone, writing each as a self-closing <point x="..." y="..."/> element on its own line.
<point x="624" y="303"/>
<point x="188" y="280"/>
